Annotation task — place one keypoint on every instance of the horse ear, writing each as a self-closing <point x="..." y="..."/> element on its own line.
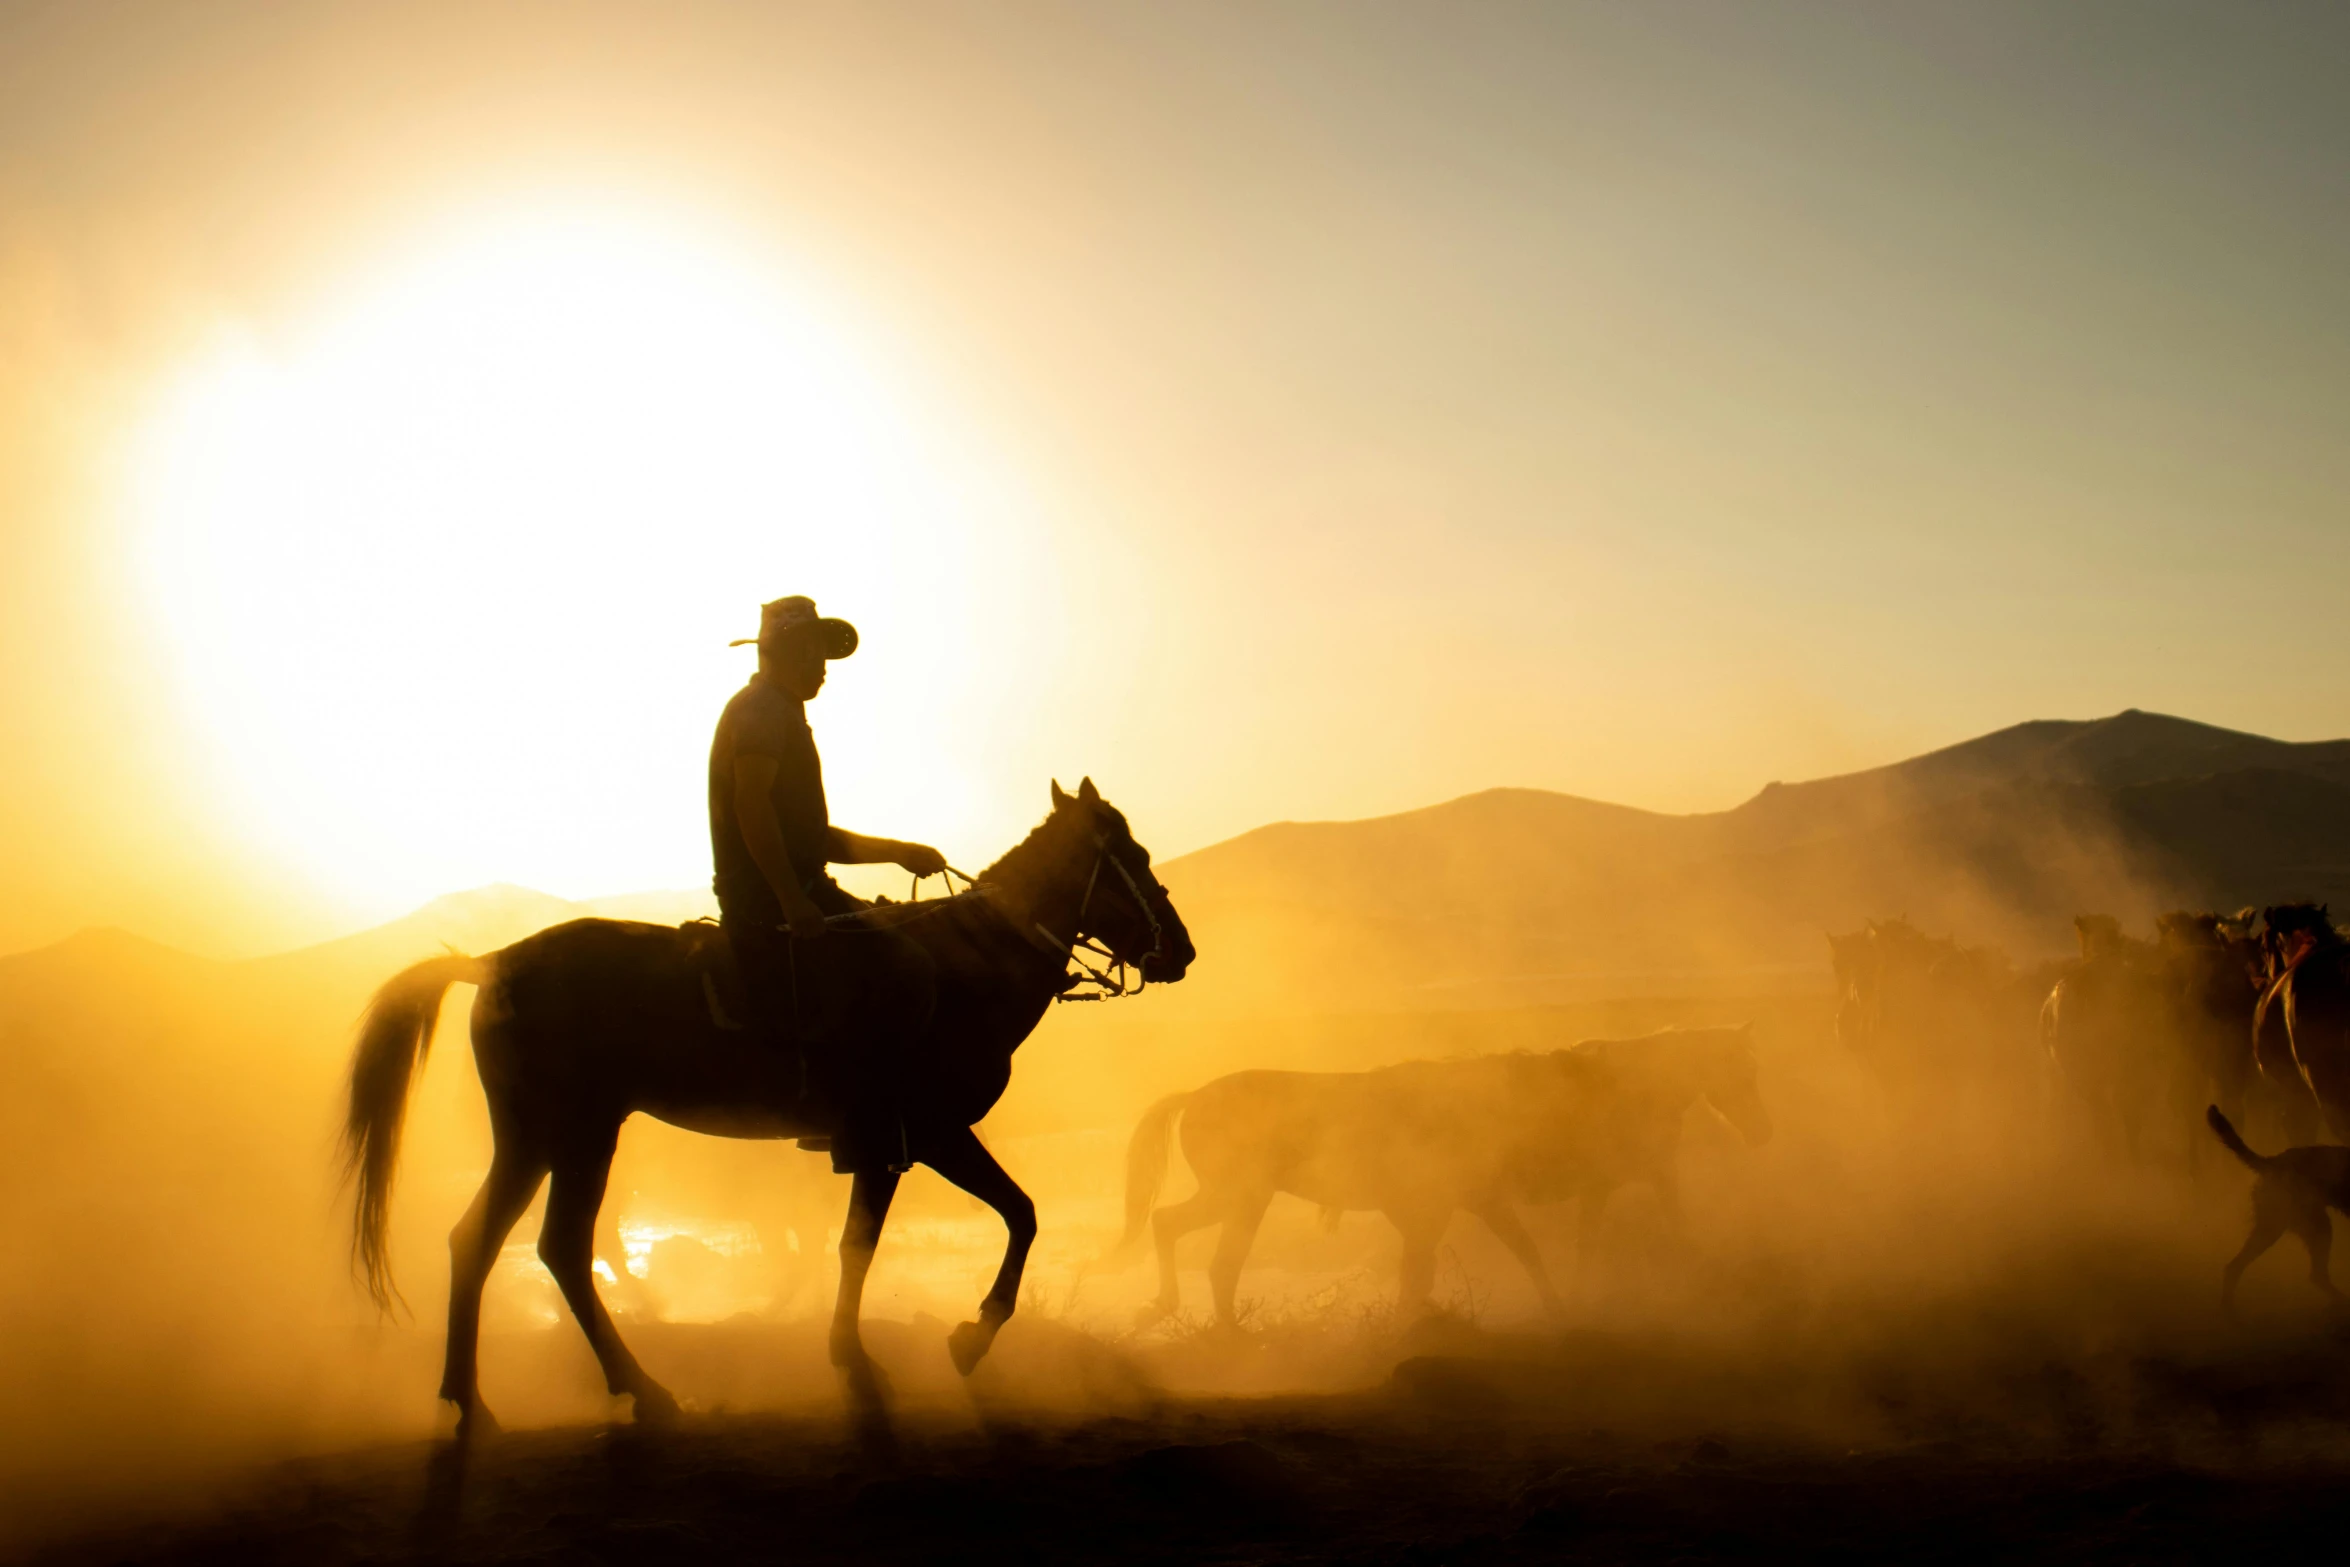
<point x="1087" y="792"/>
<point x="1060" y="800"/>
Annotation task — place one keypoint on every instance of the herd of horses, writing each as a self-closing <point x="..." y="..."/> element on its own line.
<point x="2130" y="1039"/>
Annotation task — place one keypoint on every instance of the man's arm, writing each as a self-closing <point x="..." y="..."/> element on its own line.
<point x="754" y="812"/>
<point x="844" y="847"/>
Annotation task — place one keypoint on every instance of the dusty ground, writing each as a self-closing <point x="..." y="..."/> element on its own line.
<point x="1473" y="1447"/>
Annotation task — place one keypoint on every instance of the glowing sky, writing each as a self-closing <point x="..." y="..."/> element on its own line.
<point x="1276" y="411"/>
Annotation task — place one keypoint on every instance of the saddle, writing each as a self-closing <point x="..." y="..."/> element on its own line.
<point x="710" y="957"/>
<point x="822" y="1009"/>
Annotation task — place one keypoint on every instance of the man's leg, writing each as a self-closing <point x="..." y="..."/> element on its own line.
<point x="887" y="987"/>
<point x="763" y="956"/>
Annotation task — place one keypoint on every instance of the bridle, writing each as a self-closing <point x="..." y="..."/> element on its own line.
<point x="1112" y="979"/>
<point x="1114" y="976"/>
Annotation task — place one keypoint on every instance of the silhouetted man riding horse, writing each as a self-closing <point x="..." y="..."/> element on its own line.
<point x="852" y="1001"/>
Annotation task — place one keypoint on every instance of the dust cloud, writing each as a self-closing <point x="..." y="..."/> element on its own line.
<point x="1952" y="1253"/>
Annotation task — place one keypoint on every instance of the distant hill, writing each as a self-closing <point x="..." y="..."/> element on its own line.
<point x="1517" y="894"/>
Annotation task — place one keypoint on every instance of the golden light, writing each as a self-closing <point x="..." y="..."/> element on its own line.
<point x="448" y="578"/>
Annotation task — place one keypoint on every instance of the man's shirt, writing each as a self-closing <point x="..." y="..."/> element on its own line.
<point x="762" y="721"/>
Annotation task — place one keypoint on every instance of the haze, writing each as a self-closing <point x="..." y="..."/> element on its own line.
<point x="1536" y="515"/>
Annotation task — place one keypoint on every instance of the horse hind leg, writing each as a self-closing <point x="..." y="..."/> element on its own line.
<point x="1416" y="1276"/>
<point x="473" y="1250"/>
<point x="1168" y="1226"/>
<point x="567" y="1245"/>
<point x="1241" y="1219"/>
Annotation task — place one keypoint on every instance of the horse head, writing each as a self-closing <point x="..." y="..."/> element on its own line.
<point x="1727" y="1078"/>
<point x="1123" y="907"/>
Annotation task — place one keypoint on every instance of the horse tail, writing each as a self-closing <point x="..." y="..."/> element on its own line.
<point x="2235" y="1145"/>
<point x="394" y="1033"/>
<point x="1146" y="1172"/>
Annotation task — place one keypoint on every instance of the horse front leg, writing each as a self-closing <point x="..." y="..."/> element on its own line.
<point x="869" y="1199"/>
<point x="962" y="1158"/>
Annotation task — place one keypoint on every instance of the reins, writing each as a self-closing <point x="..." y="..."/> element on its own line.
<point x="1112" y="978"/>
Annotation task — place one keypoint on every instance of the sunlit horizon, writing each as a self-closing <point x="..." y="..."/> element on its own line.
<point x="446" y="578"/>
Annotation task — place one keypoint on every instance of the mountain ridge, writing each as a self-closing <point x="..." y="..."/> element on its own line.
<point x="2134" y="805"/>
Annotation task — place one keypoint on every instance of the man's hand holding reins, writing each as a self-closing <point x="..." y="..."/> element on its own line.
<point x="804" y="920"/>
<point x="920" y="859"/>
<point x="856" y="848"/>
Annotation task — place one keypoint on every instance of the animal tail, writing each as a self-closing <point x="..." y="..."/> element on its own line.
<point x="1146" y="1172"/>
<point x="2235" y="1145"/>
<point x="394" y="1034"/>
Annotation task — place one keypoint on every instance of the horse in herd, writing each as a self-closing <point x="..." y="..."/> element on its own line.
<point x="1421" y="1141"/>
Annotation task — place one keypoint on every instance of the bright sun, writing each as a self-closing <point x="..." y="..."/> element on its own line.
<point x="448" y="581"/>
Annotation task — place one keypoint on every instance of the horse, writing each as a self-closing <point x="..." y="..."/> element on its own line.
<point x="2211" y="983"/>
<point x="1421" y="1140"/>
<point x="2310" y="993"/>
<point x="580" y="1026"/>
<point x="2105" y="1027"/>
<point x="1936" y="1021"/>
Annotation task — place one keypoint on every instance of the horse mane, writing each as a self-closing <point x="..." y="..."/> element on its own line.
<point x="1023" y="864"/>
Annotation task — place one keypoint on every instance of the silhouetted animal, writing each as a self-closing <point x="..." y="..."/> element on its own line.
<point x="1937" y="1022"/>
<point x="2294" y="1192"/>
<point x="2211" y="981"/>
<point x="1418" y="1141"/>
<point x="577" y="1027"/>
<point x="2272" y="1041"/>
<point x="2106" y="1030"/>
<point x="2311" y="992"/>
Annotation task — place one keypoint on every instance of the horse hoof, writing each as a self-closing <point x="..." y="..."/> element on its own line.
<point x="1154" y="1313"/>
<point x="967" y="1346"/>
<point x="656" y="1405"/>
<point x="476" y="1422"/>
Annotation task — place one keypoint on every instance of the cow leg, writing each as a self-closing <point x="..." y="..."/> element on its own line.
<point x="1502" y="1219"/>
<point x="1241" y="1219"/>
<point x="963" y="1159"/>
<point x="567" y="1245"/>
<point x="1416" y="1281"/>
<point x="1168" y="1226"/>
